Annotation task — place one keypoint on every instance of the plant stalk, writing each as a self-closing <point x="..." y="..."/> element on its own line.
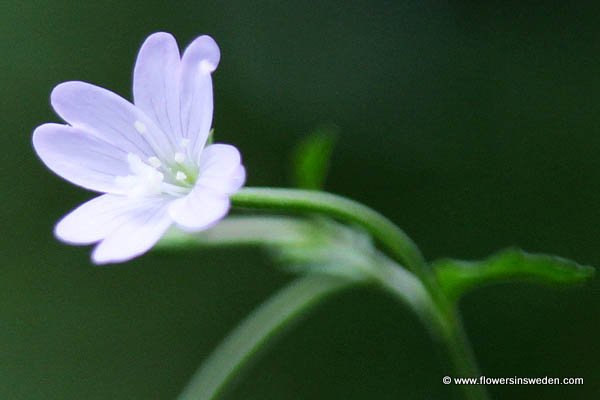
<point x="463" y="359"/>
<point x="442" y="321"/>
<point x="253" y="334"/>
<point x="397" y="243"/>
<point x="441" y="315"/>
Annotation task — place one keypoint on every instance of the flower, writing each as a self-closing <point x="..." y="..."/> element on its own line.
<point x="150" y="159"/>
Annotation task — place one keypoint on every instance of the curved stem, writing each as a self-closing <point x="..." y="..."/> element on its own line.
<point x="443" y="323"/>
<point x="254" y="333"/>
<point x="462" y="357"/>
<point x="444" y="320"/>
<point x="400" y="247"/>
<point x="390" y="237"/>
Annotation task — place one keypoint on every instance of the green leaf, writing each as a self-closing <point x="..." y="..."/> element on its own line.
<point x="259" y="329"/>
<point x="457" y="277"/>
<point x="311" y="158"/>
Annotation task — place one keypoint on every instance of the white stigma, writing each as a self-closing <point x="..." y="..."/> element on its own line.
<point x="180" y="176"/>
<point x="179" y="157"/>
<point x="154" y="162"/>
<point x="140" y="127"/>
<point x="184" y="143"/>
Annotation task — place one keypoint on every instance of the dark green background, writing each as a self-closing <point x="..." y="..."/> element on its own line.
<point x="472" y="126"/>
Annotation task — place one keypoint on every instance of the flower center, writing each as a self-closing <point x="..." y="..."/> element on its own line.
<point x="154" y="176"/>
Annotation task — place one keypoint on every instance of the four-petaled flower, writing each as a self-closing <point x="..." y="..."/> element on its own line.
<point x="151" y="160"/>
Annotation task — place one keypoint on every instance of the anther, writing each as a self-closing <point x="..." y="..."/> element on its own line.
<point x="154" y="162"/>
<point x="180" y="176"/>
<point x="179" y="157"/>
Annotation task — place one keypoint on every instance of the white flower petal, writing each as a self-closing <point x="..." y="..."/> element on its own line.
<point x="199" y="60"/>
<point x="96" y="219"/>
<point x="80" y="157"/>
<point x="111" y="118"/>
<point x="135" y="235"/>
<point x="223" y="184"/>
<point x="220" y="169"/>
<point x="199" y="210"/>
<point x="220" y="159"/>
<point x="156" y="82"/>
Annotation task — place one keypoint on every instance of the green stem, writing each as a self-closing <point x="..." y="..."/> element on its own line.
<point x="390" y="237"/>
<point x="443" y="323"/>
<point x="255" y="332"/>
<point x="443" y="318"/>
<point x="463" y="360"/>
<point x="400" y="247"/>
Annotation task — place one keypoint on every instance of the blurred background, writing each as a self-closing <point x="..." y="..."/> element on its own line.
<point x="473" y="126"/>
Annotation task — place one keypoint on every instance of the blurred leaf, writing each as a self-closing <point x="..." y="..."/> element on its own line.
<point x="243" y="231"/>
<point x="312" y="156"/>
<point x="457" y="277"/>
<point x="299" y="245"/>
<point x="334" y="249"/>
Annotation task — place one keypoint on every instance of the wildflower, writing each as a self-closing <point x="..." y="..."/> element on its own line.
<point x="150" y="159"/>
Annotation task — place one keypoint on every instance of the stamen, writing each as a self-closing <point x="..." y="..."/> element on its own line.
<point x="140" y="127"/>
<point x="154" y="162"/>
<point x="179" y="157"/>
<point x="180" y="176"/>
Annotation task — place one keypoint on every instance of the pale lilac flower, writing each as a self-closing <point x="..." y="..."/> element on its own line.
<point x="150" y="159"/>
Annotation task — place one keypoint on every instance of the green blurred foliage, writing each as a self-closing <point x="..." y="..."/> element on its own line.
<point x="473" y="125"/>
<point x="456" y="277"/>
<point x="312" y="157"/>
